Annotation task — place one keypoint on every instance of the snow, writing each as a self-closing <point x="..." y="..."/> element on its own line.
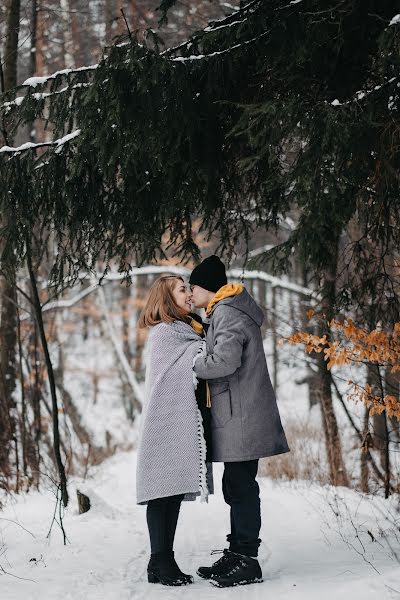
<point x="40" y="96"/>
<point x="25" y="146"/>
<point x="395" y="20"/>
<point x="218" y="53"/>
<point x="68" y="137"/>
<point x="212" y="28"/>
<point x="59" y="143"/>
<point x="317" y="539"/>
<point x="306" y="550"/>
<point x="34" y="81"/>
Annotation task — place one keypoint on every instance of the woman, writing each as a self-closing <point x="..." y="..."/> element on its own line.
<point x="172" y="452"/>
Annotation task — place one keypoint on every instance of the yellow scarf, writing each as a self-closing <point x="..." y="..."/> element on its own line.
<point x="228" y="290"/>
<point x="198" y="327"/>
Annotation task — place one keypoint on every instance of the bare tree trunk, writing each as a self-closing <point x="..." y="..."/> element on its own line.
<point x="141" y="292"/>
<point x="41" y="60"/>
<point x="274" y="341"/>
<point x="109" y="7"/>
<point x="50" y="374"/>
<point x="126" y="346"/>
<point x="69" y="59"/>
<point x="134" y="15"/>
<point x="33" y="59"/>
<point x="22" y="418"/>
<point x="35" y="401"/>
<point x="392" y="387"/>
<point x="121" y="27"/>
<point x="337" y="469"/>
<point x="312" y="377"/>
<point x="364" y="454"/>
<point x="34" y="19"/>
<point x="380" y="426"/>
<point x="11" y="45"/>
<point x="8" y="315"/>
<point x="81" y="33"/>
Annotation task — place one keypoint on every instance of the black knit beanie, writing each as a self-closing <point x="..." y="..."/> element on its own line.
<point x="209" y="274"/>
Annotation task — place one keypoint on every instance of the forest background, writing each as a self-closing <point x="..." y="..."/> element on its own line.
<point x="285" y="162"/>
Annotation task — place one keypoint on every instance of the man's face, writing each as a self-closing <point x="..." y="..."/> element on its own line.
<point x="200" y="296"/>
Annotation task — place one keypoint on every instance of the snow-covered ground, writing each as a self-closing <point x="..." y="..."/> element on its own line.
<point x="317" y="541"/>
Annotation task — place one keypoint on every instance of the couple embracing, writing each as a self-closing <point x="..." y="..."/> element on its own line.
<point x="208" y="398"/>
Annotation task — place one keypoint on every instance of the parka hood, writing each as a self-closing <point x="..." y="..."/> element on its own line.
<point x="246" y="304"/>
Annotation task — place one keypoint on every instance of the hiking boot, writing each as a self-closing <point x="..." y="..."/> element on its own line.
<point x="240" y="570"/>
<point x="162" y="568"/>
<point x="218" y="567"/>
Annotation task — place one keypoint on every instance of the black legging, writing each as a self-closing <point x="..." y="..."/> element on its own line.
<point x="162" y="518"/>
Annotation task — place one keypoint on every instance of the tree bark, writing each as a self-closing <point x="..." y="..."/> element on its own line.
<point x="8" y="315"/>
<point x="11" y="45"/>
<point x="127" y="391"/>
<point x="337" y="469"/>
<point x="109" y="19"/>
<point x="68" y="57"/>
<point x="275" y="365"/>
<point x="50" y="374"/>
<point x="32" y="59"/>
<point x="364" y="470"/>
<point x="142" y="285"/>
<point x="392" y="387"/>
<point x="312" y="377"/>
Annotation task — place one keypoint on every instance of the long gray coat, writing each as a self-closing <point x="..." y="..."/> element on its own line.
<point x="245" y="419"/>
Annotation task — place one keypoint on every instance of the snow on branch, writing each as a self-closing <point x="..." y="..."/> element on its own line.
<point x="34" y="81"/>
<point x="360" y="95"/>
<point x="29" y="145"/>
<point x="214" y="26"/>
<point x="39" y="96"/>
<point x="241" y="274"/>
<point x="219" y="52"/>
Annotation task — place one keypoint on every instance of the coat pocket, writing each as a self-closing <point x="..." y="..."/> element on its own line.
<point x="221" y="406"/>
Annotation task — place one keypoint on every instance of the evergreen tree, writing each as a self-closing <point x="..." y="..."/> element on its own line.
<point x="155" y="138"/>
<point x="203" y="129"/>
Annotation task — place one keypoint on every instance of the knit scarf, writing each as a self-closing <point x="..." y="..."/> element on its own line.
<point x="228" y="290"/>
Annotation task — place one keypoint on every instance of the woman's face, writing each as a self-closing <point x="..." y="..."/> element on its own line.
<point x="182" y="296"/>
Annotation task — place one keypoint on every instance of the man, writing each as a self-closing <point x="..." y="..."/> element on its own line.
<point x="245" y="419"/>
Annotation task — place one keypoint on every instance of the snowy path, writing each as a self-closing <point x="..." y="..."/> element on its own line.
<point x="306" y="550"/>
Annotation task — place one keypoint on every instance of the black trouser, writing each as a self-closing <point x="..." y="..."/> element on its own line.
<point x="162" y="518"/>
<point x="242" y="493"/>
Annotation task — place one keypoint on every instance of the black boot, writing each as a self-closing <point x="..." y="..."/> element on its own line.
<point x="188" y="578"/>
<point x="163" y="569"/>
<point x="241" y="570"/>
<point x="219" y="566"/>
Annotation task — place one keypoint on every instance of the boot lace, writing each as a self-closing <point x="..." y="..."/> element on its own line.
<point x="226" y="556"/>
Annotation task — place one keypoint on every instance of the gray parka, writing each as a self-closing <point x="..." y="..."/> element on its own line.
<point x="245" y="419"/>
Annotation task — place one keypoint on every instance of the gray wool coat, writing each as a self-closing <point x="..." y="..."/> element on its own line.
<point x="245" y="419"/>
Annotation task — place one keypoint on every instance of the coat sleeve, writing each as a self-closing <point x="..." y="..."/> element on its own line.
<point x="229" y="338"/>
